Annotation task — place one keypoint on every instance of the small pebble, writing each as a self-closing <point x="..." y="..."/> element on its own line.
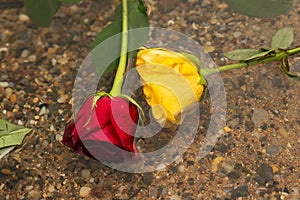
<point x="265" y="173"/>
<point x="227" y="129"/>
<point x="175" y="197"/>
<point x="4" y="84"/>
<point x="35" y="100"/>
<point x="24" y="53"/>
<point x="58" y="137"/>
<point x="92" y="180"/>
<point x="209" y="48"/>
<point x="23" y="17"/>
<point x="241" y="191"/>
<point x="31" y="58"/>
<point x="13" y="98"/>
<point x="272" y="149"/>
<point x="61" y="99"/>
<point x="147" y="178"/>
<point x="8" y="91"/>
<point x="5" y="171"/>
<point x="181" y="169"/>
<point x="85" y="173"/>
<point x="237" y="34"/>
<point x="51" y="188"/>
<point x="44" y="111"/>
<point x="85" y="192"/>
<point x="29" y="187"/>
<point x="259" y="116"/>
<point x="282" y="132"/>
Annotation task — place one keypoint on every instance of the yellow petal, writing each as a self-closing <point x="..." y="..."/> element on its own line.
<point x="170" y="83"/>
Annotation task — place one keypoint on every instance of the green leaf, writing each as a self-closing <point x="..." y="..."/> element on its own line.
<point x="107" y="45"/>
<point x="241" y="54"/>
<point x="69" y="1"/>
<point x="261" y="8"/>
<point x="260" y="55"/>
<point x="11" y="134"/>
<point x="5" y="151"/>
<point x="283" y="38"/>
<point x="41" y="12"/>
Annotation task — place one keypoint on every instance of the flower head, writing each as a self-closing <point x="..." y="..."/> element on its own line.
<point x="171" y="83"/>
<point x="104" y="130"/>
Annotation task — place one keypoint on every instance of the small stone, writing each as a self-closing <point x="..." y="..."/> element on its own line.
<point x="61" y="99"/>
<point x="24" y="53"/>
<point x="5" y="171"/>
<point x="227" y="129"/>
<point x="181" y="169"/>
<point x="175" y="197"/>
<point x="13" y="98"/>
<point x="85" y="173"/>
<point x="213" y="21"/>
<point x="215" y="163"/>
<point x="282" y="132"/>
<point x="29" y="187"/>
<point x="259" y="116"/>
<point x="265" y="174"/>
<point x="51" y="51"/>
<point x="91" y="180"/>
<point x="147" y="178"/>
<point x="153" y="191"/>
<point x="272" y="149"/>
<point x="31" y="58"/>
<point x="43" y="111"/>
<point x="237" y="34"/>
<point x="23" y="17"/>
<point x="8" y="91"/>
<point x="228" y="167"/>
<point x="4" y="84"/>
<point x="85" y="192"/>
<point x="58" y="137"/>
<point x="74" y="8"/>
<point x="244" y="87"/>
<point x="274" y="169"/>
<point x="35" y="100"/>
<point x="209" y="48"/>
<point x="172" y="180"/>
<point x="51" y="188"/>
<point x="35" y="195"/>
<point x="241" y="191"/>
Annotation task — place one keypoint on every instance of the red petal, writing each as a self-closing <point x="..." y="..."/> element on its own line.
<point x="95" y="132"/>
<point x="103" y="110"/>
<point x="124" y="117"/>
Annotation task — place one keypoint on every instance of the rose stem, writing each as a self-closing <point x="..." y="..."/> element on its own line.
<point x="117" y="85"/>
<point x="279" y="56"/>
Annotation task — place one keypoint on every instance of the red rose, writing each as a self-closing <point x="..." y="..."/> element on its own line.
<point x="105" y="131"/>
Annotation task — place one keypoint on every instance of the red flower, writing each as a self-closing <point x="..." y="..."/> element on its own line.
<point x="105" y="131"/>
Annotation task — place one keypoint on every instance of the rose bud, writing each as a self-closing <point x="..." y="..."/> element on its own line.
<point x="104" y="129"/>
<point x="171" y="83"/>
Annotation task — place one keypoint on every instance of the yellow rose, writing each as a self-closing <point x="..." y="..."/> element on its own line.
<point x="171" y="83"/>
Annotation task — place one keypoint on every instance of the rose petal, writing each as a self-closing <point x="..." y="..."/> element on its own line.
<point x="124" y="117"/>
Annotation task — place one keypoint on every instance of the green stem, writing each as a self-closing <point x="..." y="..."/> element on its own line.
<point x="277" y="57"/>
<point x="118" y="82"/>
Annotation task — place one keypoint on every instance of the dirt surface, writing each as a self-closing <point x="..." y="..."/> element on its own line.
<point x="256" y="157"/>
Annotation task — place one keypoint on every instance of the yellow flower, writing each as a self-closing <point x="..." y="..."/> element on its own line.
<point x="171" y="83"/>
